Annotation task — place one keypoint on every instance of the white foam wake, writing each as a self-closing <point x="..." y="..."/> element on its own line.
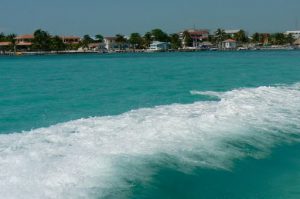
<point x="96" y="156"/>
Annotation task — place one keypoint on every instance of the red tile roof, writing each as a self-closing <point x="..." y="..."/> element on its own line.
<point x="28" y="36"/>
<point x="5" y="43"/>
<point x="230" y="40"/>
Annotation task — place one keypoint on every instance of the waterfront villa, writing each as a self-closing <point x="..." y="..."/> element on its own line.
<point x="294" y="33"/>
<point x="159" y="46"/>
<point x="70" y="39"/>
<point x="24" y="40"/>
<point x="110" y="43"/>
<point x="229" y="44"/>
<point x="197" y="35"/>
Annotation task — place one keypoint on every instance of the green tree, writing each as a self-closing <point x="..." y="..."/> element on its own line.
<point x="86" y="41"/>
<point x="278" y="39"/>
<point x="256" y="37"/>
<point x="187" y="39"/>
<point x="120" y="40"/>
<point x="175" y="41"/>
<point x="2" y="36"/>
<point x="57" y="44"/>
<point x="147" y="39"/>
<point x="220" y="35"/>
<point x="42" y="40"/>
<point x="159" y="35"/>
<point x="12" y="38"/>
<point x="136" y="40"/>
<point x="241" y="36"/>
<point x="99" y="38"/>
<point x="289" y="39"/>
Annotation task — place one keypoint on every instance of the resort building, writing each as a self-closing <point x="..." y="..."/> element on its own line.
<point x="229" y="44"/>
<point x="70" y="39"/>
<point x="159" y="46"/>
<point x="294" y="33"/>
<point x="112" y="45"/>
<point x="197" y="35"/>
<point x="24" y="40"/>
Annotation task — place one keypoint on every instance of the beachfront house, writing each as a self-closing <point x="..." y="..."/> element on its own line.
<point x="197" y="36"/>
<point x="229" y="44"/>
<point x="70" y="39"/>
<point x="158" y="46"/>
<point x="24" y="42"/>
<point x="110" y="43"/>
<point x="294" y="33"/>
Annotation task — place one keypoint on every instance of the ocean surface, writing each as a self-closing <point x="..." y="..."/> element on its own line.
<point x="213" y="125"/>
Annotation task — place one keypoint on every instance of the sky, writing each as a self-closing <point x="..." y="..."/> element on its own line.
<point x="110" y="17"/>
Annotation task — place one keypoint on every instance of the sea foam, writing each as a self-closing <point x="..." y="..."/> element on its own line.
<point x="101" y="156"/>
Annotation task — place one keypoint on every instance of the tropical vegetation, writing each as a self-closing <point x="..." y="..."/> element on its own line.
<point x="43" y="41"/>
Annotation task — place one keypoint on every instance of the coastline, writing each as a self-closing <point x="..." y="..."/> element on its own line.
<point x="36" y="53"/>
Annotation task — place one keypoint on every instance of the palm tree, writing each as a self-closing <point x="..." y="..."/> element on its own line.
<point x="136" y="40"/>
<point x="241" y="36"/>
<point x="175" y="41"/>
<point x="86" y="41"/>
<point x="99" y="38"/>
<point x="220" y="36"/>
<point x="147" y="39"/>
<point x="120" y="40"/>
<point x="41" y="40"/>
<point x="11" y="38"/>
<point x="187" y="40"/>
<point x="57" y="44"/>
<point x="256" y="37"/>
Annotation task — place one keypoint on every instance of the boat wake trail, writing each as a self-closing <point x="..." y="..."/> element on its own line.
<point x="101" y="156"/>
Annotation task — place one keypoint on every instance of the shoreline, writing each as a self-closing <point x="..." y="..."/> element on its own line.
<point x="144" y="51"/>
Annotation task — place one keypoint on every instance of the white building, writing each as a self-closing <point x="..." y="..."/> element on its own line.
<point x="110" y="43"/>
<point x="158" y="46"/>
<point x="294" y="33"/>
<point x="232" y="33"/>
<point x="229" y="44"/>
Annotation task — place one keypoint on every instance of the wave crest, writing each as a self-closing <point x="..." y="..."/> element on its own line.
<point x="89" y="158"/>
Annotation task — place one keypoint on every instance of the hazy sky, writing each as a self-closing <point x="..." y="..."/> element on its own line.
<point x="109" y="17"/>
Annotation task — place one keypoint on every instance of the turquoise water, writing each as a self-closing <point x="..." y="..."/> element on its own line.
<point x="166" y="125"/>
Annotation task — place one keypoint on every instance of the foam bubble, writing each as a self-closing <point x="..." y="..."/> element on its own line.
<point x="94" y="157"/>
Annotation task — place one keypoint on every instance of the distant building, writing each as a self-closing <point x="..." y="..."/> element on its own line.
<point x="297" y="43"/>
<point x="229" y="44"/>
<point x="197" y="36"/>
<point x="158" y="46"/>
<point x="110" y="43"/>
<point x="232" y="33"/>
<point x="294" y="33"/>
<point x="70" y="39"/>
<point x="24" y="40"/>
<point x="5" y="44"/>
